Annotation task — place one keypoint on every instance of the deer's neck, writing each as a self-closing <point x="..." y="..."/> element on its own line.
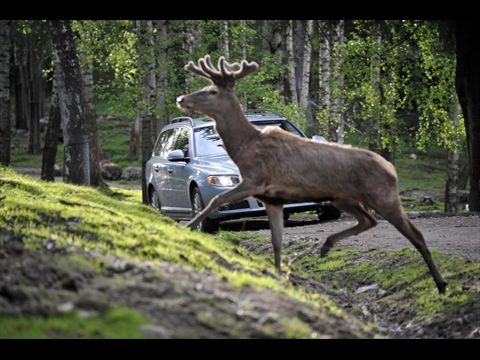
<point x="235" y="130"/>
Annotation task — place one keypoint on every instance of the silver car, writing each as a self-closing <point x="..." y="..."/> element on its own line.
<point x="189" y="166"/>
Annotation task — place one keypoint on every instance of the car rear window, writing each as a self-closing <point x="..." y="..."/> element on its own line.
<point x="207" y="142"/>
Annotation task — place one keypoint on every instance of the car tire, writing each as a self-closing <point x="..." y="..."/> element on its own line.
<point x="328" y="212"/>
<point x="207" y="225"/>
<point x="155" y="200"/>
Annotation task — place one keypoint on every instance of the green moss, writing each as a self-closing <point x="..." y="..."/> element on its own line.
<point x="295" y="328"/>
<point x="405" y="277"/>
<point x="117" y="323"/>
<point x="114" y="221"/>
<point x="82" y="261"/>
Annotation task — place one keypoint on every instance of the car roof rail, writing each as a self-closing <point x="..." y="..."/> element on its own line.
<point x="182" y="119"/>
<point x="262" y="112"/>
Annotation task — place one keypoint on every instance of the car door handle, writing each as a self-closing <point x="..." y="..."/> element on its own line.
<point x="156" y="168"/>
<point x="169" y="170"/>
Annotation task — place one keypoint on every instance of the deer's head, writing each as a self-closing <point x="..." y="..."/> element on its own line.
<point x="217" y="98"/>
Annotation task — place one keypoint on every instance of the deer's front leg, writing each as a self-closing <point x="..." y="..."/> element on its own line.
<point x="240" y="192"/>
<point x="275" y="218"/>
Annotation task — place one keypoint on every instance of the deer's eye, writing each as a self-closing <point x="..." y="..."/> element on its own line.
<point x="213" y="92"/>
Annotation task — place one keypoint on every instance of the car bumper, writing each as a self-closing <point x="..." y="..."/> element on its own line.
<point x="253" y="207"/>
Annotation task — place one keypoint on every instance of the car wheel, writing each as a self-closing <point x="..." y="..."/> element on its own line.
<point x="206" y="225"/>
<point x="328" y="212"/>
<point x="155" y="200"/>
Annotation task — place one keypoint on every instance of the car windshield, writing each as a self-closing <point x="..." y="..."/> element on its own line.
<point x="208" y="142"/>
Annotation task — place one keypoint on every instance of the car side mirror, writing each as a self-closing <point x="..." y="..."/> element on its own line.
<point x="177" y="155"/>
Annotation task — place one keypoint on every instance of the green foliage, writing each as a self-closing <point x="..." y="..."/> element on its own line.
<point x="117" y="323"/>
<point x="437" y="97"/>
<point x="110" y="47"/>
<point x="401" y="67"/>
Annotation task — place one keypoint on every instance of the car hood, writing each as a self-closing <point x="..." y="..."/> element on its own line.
<point x="218" y="164"/>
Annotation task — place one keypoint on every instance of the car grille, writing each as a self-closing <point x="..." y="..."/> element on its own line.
<point x="235" y="206"/>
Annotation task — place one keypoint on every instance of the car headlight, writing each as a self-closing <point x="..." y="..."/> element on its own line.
<point x="223" y="180"/>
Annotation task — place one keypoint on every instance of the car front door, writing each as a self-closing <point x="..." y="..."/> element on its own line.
<point x="179" y="172"/>
<point x="164" y="144"/>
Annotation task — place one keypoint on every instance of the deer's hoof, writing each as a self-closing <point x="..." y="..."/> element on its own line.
<point x="324" y="251"/>
<point x="442" y="287"/>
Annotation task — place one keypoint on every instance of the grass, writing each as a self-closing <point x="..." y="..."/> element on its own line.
<point x="115" y="139"/>
<point x="424" y="173"/>
<point x="114" y="136"/>
<point x="115" y="222"/>
<point x="117" y="323"/>
<point x="404" y="275"/>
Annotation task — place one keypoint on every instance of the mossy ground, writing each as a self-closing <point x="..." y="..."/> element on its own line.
<point x="113" y="225"/>
<point x="116" y="323"/>
<point x="80" y="225"/>
<point x="407" y="298"/>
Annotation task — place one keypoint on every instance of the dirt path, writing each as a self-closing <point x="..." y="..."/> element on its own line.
<point x="458" y="235"/>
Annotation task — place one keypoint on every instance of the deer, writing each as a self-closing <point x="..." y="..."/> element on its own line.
<point x="277" y="167"/>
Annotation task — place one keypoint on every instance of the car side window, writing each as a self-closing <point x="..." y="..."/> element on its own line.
<point x="182" y="140"/>
<point x="165" y="141"/>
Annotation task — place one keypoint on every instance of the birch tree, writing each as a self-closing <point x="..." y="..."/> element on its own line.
<point x="161" y="80"/>
<point x="226" y="40"/>
<point x="337" y="113"/>
<point x="306" y="67"/>
<point x="323" y="116"/>
<point x="453" y="170"/>
<point x="292" y="78"/>
<point x="76" y="144"/>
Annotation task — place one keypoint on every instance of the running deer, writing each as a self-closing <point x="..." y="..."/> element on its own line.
<point x="278" y="167"/>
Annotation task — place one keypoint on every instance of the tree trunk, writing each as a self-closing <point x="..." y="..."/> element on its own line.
<point x="5" y="121"/>
<point x="96" y="152"/>
<point x="244" y="99"/>
<point x="22" y="113"/>
<point x="161" y="73"/>
<point x="226" y="40"/>
<point x="146" y="154"/>
<point x="324" y="77"/>
<point x="337" y="99"/>
<point x="292" y="77"/>
<point x="374" y="128"/>
<point x="306" y="67"/>
<point x="189" y="46"/>
<point x="134" y="131"/>
<point x="52" y="134"/>
<point x="451" y="186"/>
<point x="453" y="168"/>
<point x="147" y="73"/>
<point x="34" y="99"/>
<point x="244" y="39"/>
<point x="468" y="90"/>
<point x="72" y="108"/>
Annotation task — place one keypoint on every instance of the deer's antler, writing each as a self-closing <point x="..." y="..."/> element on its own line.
<point x="227" y="73"/>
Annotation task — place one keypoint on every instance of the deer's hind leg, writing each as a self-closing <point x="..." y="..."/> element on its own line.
<point x="365" y="221"/>
<point x="398" y="218"/>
